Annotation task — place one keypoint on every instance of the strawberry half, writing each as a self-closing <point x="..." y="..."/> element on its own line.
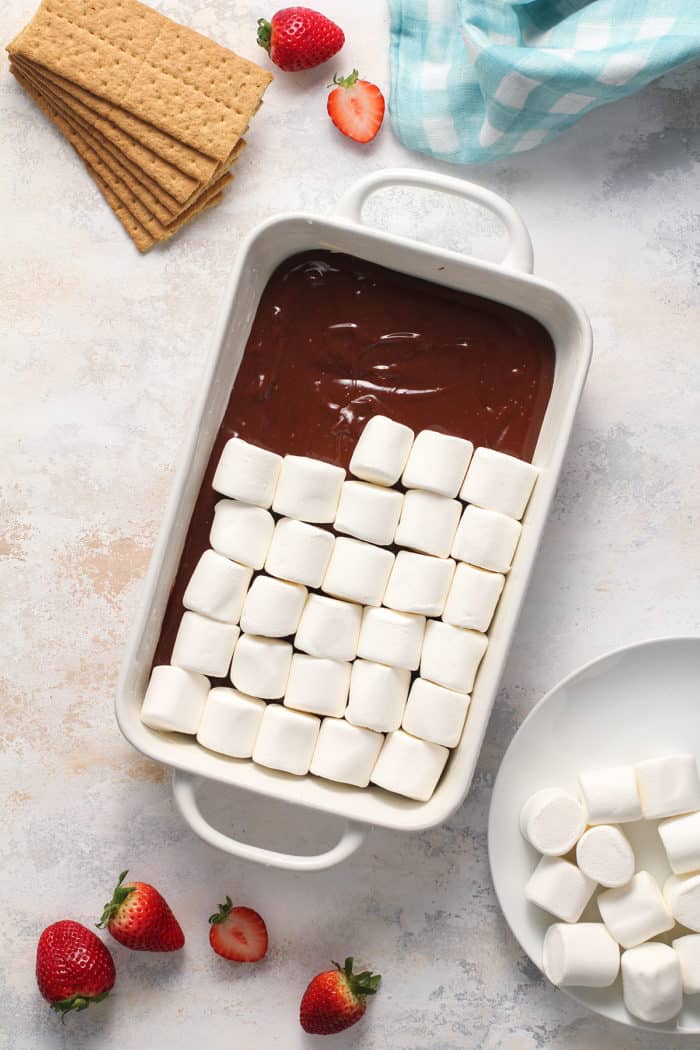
<point x="238" y="934"/>
<point x="356" y="107"/>
<point x="138" y="917"/>
<point x="336" y="999"/>
<point x="298" y="38"/>
<point x="73" y="967"/>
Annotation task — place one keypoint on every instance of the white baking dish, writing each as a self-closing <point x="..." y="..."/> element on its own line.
<point x="509" y="282"/>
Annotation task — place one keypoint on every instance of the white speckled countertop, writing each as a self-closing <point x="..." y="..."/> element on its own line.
<point x="102" y="353"/>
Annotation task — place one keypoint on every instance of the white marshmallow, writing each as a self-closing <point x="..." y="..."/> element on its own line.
<point x="317" y="685"/>
<point x="408" y="766"/>
<point x="668" y="786"/>
<point x="435" y="713"/>
<point x="230" y="722"/>
<point x="247" y="473"/>
<point x="473" y="597"/>
<point x="204" y="645"/>
<point x="273" y="607"/>
<point x="580" y="954"/>
<point x="651" y="982"/>
<point x="299" y="552"/>
<point x="174" y="699"/>
<point x="428" y="523"/>
<point x="499" y="482"/>
<point x="437" y="463"/>
<point x="552" y="821"/>
<point x="308" y="489"/>
<point x="605" y="855"/>
<point x="217" y="587"/>
<point x="682" y="895"/>
<point x="345" y="753"/>
<point x="635" y="912"/>
<point x="242" y="532"/>
<point x="381" y="452"/>
<point x="688" y="951"/>
<point x="610" y="795"/>
<point x="358" y="571"/>
<point x="681" y="839"/>
<point x="260" y="666"/>
<point x="451" y="656"/>
<point x="559" y="887"/>
<point x="329" y="628"/>
<point x="393" y="638"/>
<point x="377" y="695"/>
<point x="419" y="583"/>
<point x="286" y="740"/>
<point x="486" y="538"/>
<point x="368" y="512"/>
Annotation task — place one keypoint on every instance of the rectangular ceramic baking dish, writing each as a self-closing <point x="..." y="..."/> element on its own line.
<point x="509" y="282"/>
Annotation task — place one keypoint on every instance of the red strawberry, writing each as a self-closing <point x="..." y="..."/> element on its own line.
<point x="356" y="107"/>
<point x="139" y="918"/>
<point x="73" y="967"/>
<point x="238" y="934"/>
<point x="298" y="38"/>
<point x="336" y="999"/>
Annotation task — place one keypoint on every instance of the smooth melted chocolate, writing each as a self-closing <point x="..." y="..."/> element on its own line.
<point x="337" y="340"/>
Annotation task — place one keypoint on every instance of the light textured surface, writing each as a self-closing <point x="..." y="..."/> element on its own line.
<point x="101" y="354"/>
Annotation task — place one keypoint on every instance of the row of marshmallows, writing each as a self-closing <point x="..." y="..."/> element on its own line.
<point x="633" y="907"/>
<point x="375" y="693"/>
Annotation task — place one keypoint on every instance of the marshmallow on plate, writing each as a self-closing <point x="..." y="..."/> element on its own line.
<point x="408" y="766"/>
<point x="230" y="722"/>
<point x="247" y="473"/>
<point x="635" y="912"/>
<point x="435" y="713"/>
<point x="204" y="645"/>
<point x="499" y="482"/>
<point x="345" y="752"/>
<point x="368" y="512"/>
<point x="299" y="552"/>
<point x="682" y="895"/>
<point x="473" y="597"/>
<point x="273" y="607"/>
<point x="428" y="522"/>
<point x="393" y="638"/>
<point x="358" y="571"/>
<point x="486" y="538"/>
<point x="317" y="685"/>
<point x="174" y="699"/>
<point x="308" y="489"/>
<point x="242" y="532"/>
<point x="286" y="740"/>
<point x="260" y="666"/>
<point x="559" y="887"/>
<point x="329" y="628"/>
<point x="217" y="587"/>
<point x="652" y="989"/>
<point x="610" y="795"/>
<point x="451" y="656"/>
<point x="419" y="583"/>
<point x="668" y="786"/>
<point x="377" y="695"/>
<point x="688" y="950"/>
<point x="605" y="855"/>
<point x="437" y="463"/>
<point x="381" y="452"/>
<point x="552" y="821"/>
<point x="581" y="954"/>
<point x="681" y="839"/>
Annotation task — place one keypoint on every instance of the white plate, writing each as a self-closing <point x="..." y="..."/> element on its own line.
<point x="634" y="703"/>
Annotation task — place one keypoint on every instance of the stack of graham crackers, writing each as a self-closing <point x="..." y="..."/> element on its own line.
<point x="156" y="111"/>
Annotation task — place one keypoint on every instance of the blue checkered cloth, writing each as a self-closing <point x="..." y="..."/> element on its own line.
<point x="473" y="80"/>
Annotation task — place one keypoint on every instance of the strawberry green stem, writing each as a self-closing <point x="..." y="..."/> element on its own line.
<point x="360" y="984"/>
<point x="77" y="1002"/>
<point x="264" y="34"/>
<point x="345" y="82"/>
<point x="223" y="913"/>
<point x="118" y="897"/>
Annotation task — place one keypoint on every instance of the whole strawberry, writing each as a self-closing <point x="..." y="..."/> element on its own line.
<point x="298" y="38"/>
<point x="336" y="999"/>
<point x="73" y="967"/>
<point x="238" y="934"/>
<point x="139" y="918"/>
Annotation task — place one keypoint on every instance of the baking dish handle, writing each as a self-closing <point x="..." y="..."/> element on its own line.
<point x="185" y="794"/>
<point x="519" y="254"/>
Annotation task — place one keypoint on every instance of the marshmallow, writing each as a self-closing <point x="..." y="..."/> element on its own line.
<point x="247" y="473"/>
<point x="260" y="666"/>
<point x="329" y="628"/>
<point x="428" y="522"/>
<point x="345" y="752"/>
<point x="286" y="740"/>
<point x="681" y="839"/>
<point x="317" y="685"/>
<point x="682" y="895"/>
<point x="581" y="954"/>
<point x="393" y="638"/>
<point x="688" y="951"/>
<point x="499" y="482"/>
<point x="217" y="587"/>
<point x="557" y="886"/>
<point x="486" y="538"/>
<point x="204" y="645"/>
<point x="635" y="912"/>
<point x="419" y="583"/>
<point x="435" y="713"/>
<point x="651" y="982"/>
<point x="368" y="512"/>
<point x="605" y="855"/>
<point x="273" y="607"/>
<point x="610" y="795"/>
<point x="408" y="766"/>
<point x="241" y="532"/>
<point x="377" y="696"/>
<point x="308" y="489"/>
<point x="381" y="452"/>
<point x="473" y="597"/>
<point x="668" y="786"/>
<point x="174" y="699"/>
<point x="299" y="552"/>
<point x="358" y="571"/>
<point x="230" y="722"/>
<point x="451" y="656"/>
<point x="552" y="821"/>
<point x="437" y="463"/>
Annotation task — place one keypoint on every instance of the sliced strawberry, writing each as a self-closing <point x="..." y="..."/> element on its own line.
<point x="238" y="934"/>
<point x="356" y="107"/>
